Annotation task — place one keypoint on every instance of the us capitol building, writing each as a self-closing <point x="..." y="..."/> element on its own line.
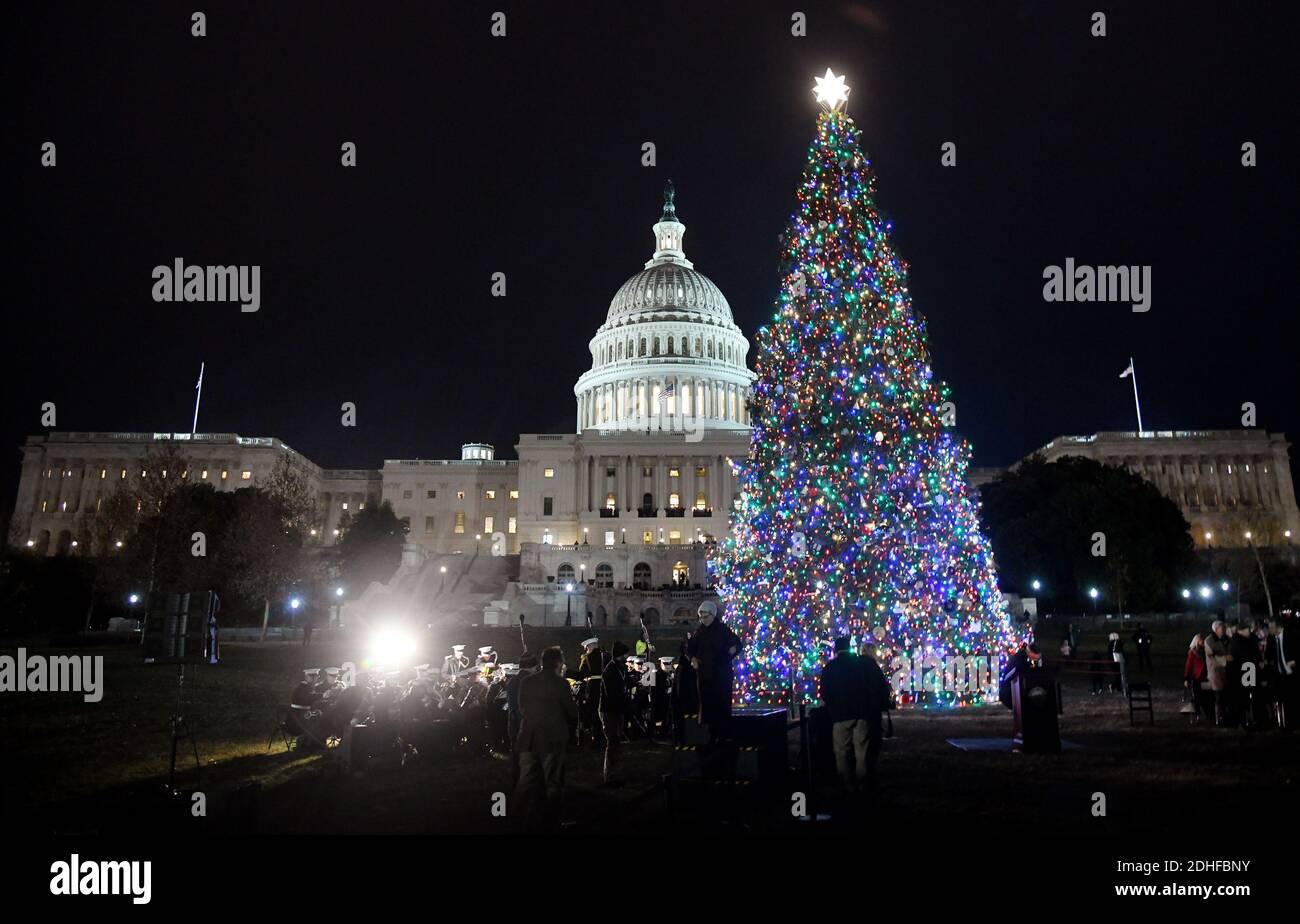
<point x="617" y="518"/>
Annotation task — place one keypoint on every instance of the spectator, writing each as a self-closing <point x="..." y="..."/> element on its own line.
<point x="1142" y="641"/>
<point x="1116" y="650"/>
<point x="1216" y="668"/>
<point x="843" y="688"/>
<point x="1280" y="656"/>
<point x="548" y="716"/>
<point x="1194" y="674"/>
<point x="1243" y="674"/>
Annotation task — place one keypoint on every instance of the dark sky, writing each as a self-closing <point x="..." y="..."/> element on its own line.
<point x="522" y="155"/>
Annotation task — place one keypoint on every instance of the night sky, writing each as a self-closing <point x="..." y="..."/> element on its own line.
<point x="522" y="155"/>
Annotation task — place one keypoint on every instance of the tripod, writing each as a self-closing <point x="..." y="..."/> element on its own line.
<point x="180" y="728"/>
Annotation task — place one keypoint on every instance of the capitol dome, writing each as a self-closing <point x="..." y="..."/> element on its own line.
<point x="669" y="356"/>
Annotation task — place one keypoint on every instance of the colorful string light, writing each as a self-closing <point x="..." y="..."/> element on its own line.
<point x="854" y="517"/>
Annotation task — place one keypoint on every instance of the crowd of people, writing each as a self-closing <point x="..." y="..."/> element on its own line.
<point x="1243" y="674"/>
<point x="536" y="710"/>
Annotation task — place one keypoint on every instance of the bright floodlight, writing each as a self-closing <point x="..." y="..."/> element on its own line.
<point x="294" y="603"/>
<point x="134" y="598"/>
<point x="1224" y="587"/>
<point x="338" y="591"/>
<point x="1037" y="585"/>
<point x="569" y="587"/>
<point x="1205" y="592"/>
<point x="1092" y="592"/>
<point x="1186" y="593"/>
<point x="30" y="543"/>
<point x="392" y="646"/>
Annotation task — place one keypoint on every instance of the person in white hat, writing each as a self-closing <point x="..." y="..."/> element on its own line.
<point x="594" y="659"/>
<point x="711" y="648"/>
<point x="486" y="655"/>
<point x="455" y="662"/>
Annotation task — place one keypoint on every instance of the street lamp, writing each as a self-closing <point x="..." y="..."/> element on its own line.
<point x="568" y="604"/>
<point x="1037" y="584"/>
<point x="133" y="599"/>
<point x="584" y="535"/>
<point x="1187" y="594"/>
<point x="1093" y="592"/>
<point x="1205" y="593"/>
<point x="295" y="603"/>
<point x="1208" y="537"/>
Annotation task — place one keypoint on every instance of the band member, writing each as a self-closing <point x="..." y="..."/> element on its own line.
<point x="594" y="659"/>
<point x="455" y="662"/>
<point x="486" y="655"/>
<point x="660" y="695"/>
<point x="711" y="648"/>
<point x="615" y="704"/>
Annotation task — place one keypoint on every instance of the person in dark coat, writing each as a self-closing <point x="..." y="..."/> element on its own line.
<point x="528" y="665"/>
<point x="1142" y="641"/>
<point x="1243" y="673"/>
<point x="711" y="648"/>
<point x="615" y="704"/>
<point x="1280" y="658"/>
<point x="548" y="716"/>
<point x="843" y="689"/>
<point x="684" y="695"/>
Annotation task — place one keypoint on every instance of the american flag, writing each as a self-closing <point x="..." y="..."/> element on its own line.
<point x="667" y="392"/>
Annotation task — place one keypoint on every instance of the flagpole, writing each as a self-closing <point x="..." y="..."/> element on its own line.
<point x="1136" y="404"/>
<point x="197" y="398"/>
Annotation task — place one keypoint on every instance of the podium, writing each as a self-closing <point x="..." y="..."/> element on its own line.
<point x="1034" y="704"/>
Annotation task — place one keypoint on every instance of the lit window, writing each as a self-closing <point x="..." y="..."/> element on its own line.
<point x="487" y="525"/>
<point x="673" y="473"/>
<point x="674" y="537"/>
<point x="700" y="502"/>
<point x="514" y="494"/>
<point x="124" y="473"/>
<point x="99" y="503"/>
<point x="460" y="495"/>
<point x="609" y="537"/>
<point x="63" y="506"/>
<point x="45" y="506"/>
<point x="204" y="476"/>
<point x="548" y="473"/>
<point x="610" y="503"/>
<point x="699" y="471"/>
<point x="548" y="539"/>
<point x="674" y="500"/>
<point x="103" y="473"/>
<point x="490" y="494"/>
<point x="345" y="505"/>
<point x="245" y="475"/>
<point x="647" y="537"/>
<point x="460" y="522"/>
<point x="361" y="506"/>
<point x="144" y="473"/>
<point x="512" y="526"/>
<point x="225" y="473"/>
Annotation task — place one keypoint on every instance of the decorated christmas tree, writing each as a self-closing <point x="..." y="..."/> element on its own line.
<point x="854" y="514"/>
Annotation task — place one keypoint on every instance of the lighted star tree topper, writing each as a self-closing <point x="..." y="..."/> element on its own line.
<point x="854" y="516"/>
